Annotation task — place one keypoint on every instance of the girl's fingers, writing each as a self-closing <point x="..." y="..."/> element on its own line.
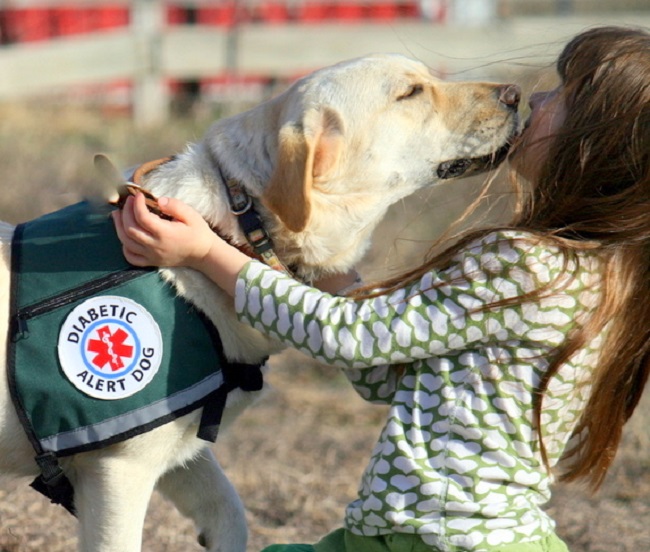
<point x="133" y="238"/>
<point x="128" y="245"/>
<point x="149" y="240"/>
<point x="141" y="216"/>
<point x="136" y="226"/>
<point x="178" y="210"/>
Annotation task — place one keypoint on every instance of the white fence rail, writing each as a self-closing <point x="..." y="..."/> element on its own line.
<point x="148" y="53"/>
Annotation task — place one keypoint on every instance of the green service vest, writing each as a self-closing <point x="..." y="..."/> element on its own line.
<point x="100" y="351"/>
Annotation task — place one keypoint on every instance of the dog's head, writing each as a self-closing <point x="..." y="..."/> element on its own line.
<point x="356" y="137"/>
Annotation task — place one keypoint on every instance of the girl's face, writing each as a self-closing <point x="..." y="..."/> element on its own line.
<point x="548" y="112"/>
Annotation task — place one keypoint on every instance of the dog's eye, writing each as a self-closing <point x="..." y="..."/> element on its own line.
<point x="412" y="91"/>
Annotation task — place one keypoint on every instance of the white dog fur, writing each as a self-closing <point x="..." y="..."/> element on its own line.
<point x="323" y="162"/>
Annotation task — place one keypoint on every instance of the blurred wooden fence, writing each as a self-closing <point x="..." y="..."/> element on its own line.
<point x="49" y="45"/>
<point x="149" y="52"/>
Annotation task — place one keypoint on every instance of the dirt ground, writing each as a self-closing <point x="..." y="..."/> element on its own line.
<point x="297" y="456"/>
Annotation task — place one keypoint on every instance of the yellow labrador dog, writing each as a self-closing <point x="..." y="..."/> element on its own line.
<point x="321" y="163"/>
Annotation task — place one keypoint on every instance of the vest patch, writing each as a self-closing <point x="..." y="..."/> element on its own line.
<point x="110" y="347"/>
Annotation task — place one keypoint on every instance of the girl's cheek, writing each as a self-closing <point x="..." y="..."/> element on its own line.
<point x="527" y="157"/>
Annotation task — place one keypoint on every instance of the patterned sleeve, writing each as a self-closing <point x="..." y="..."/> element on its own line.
<point x="377" y="385"/>
<point x="436" y="315"/>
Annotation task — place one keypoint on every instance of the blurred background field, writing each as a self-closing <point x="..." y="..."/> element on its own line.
<point x="296" y="457"/>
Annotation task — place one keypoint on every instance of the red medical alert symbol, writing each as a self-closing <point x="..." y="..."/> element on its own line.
<point x="110" y="347"/>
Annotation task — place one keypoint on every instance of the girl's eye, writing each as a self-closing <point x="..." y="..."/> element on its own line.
<point x="413" y="91"/>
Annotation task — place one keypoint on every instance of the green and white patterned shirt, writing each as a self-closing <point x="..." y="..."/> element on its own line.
<point x="458" y="461"/>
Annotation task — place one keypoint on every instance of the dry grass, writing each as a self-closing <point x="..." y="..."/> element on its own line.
<point x="296" y="457"/>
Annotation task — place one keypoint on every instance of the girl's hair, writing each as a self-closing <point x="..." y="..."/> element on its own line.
<point x="594" y="193"/>
<point x="595" y="189"/>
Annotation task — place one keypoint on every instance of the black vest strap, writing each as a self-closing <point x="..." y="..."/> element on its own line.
<point x="53" y="483"/>
<point x="247" y="377"/>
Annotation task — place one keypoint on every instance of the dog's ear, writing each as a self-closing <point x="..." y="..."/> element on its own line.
<point x="305" y="155"/>
<point x="329" y="144"/>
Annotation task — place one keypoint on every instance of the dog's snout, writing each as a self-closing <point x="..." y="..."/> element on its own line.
<point x="510" y="95"/>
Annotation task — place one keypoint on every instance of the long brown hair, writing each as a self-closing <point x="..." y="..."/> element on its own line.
<point x="595" y="188"/>
<point x="594" y="193"/>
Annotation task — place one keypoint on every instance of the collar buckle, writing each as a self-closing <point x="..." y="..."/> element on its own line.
<point x="240" y="201"/>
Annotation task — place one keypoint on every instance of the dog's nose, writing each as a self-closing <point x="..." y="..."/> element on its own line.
<point x="510" y="95"/>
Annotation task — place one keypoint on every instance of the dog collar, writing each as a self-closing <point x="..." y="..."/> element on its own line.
<point x="241" y="205"/>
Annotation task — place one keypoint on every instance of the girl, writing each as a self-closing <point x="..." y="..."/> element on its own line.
<point x="497" y="351"/>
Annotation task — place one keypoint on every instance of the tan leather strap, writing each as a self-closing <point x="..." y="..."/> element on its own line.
<point x="147" y="167"/>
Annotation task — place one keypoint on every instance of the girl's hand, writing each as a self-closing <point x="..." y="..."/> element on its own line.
<point x="149" y="240"/>
<point x="187" y="240"/>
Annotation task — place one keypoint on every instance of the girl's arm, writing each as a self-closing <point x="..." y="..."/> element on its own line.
<point x="187" y="240"/>
<point x="442" y="313"/>
<point x="431" y="317"/>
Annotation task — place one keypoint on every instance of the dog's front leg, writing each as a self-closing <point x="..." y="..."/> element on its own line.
<point x="201" y="491"/>
<point x="112" y="494"/>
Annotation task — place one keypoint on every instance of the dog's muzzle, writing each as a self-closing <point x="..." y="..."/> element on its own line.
<point x="456" y="168"/>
